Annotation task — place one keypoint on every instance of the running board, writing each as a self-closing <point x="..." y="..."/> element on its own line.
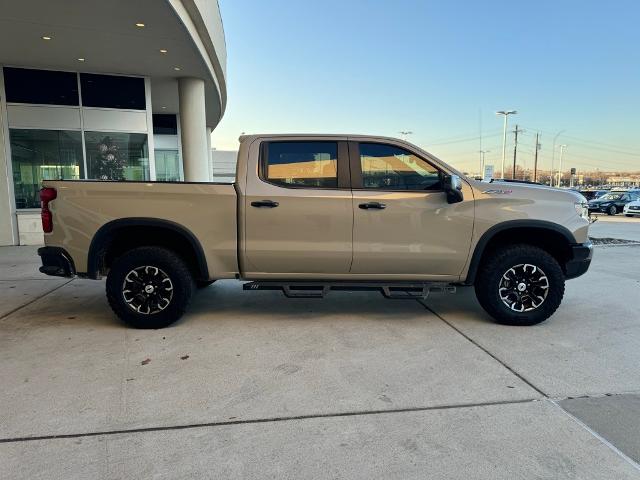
<point x="395" y="291"/>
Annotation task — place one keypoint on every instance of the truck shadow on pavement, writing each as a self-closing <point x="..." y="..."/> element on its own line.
<point x="228" y="298"/>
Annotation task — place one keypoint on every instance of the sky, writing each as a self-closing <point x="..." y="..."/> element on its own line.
<point x="441" y="69"/>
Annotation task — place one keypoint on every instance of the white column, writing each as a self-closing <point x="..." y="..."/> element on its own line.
<point x="8" y="220"/>
<point x="193" y="130"/>
<point x="210" y="156"/>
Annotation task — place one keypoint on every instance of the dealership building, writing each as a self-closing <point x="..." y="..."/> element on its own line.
<point x="104" y="90"/>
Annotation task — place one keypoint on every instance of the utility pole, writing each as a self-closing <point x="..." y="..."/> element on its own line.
<point x="535" y="160"/>
<point x="506" y="114"/>
<point x="515" y="150"/>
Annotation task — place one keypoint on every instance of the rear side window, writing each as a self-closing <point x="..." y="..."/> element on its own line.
<point x="386" y="167"/>
<point x="301" y="164"/>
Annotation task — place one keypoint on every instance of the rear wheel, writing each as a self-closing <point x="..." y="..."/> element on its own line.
<point x="612" y="210"/>
<point x="149" y="287"/>
<point x="520" y="285"/>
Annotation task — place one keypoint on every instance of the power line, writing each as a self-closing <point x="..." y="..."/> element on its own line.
<point x="615" y="149"/>
<point x="464" y="140"/>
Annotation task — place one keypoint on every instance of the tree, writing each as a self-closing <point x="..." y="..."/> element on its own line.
<point x="110" y="163"/>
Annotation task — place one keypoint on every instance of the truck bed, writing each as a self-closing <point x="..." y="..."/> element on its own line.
<point x="206" y="210"/>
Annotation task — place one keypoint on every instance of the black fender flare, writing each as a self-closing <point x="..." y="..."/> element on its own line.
<point x="100" y="239"/>
<point x="481" y="246"/>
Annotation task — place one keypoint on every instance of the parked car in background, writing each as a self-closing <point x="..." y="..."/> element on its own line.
<point x="612" y="203"/>
<point x="632" y="208"/>
<point x="588" y="194"/>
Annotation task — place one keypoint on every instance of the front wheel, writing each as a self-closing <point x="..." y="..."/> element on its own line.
<point x="520" y="285"/>
<point x="612" y="210"/>
<point x="149" y="287"/>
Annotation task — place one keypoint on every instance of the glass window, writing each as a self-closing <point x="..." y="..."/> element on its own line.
<point x="117" y="156"/>
<point x="24" y="85"/>
<point x="110" y="91"/>
<point x="165" y="124"/>
<point x="303" y="164"/>
<point x="38" y="155"/>
<point x="167" y="165"/>
<point x="385" y="167"/>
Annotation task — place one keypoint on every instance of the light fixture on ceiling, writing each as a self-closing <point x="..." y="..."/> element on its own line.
<point x="163" y="50"/>
<point x="45" y="37"/>
<point x="163" y="107"/>
<point x="81" y="59"/>
<point x="140" y="25"/>
<point x="177" y="69"/>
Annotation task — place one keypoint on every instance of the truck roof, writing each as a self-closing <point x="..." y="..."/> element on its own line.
<point x="245" y="138"/>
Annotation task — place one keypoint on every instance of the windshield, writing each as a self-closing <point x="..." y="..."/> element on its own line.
<point x="612" y="196"/>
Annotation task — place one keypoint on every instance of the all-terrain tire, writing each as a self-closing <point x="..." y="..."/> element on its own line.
<point x="490" y="280"/>
<point x="177" y="290"/>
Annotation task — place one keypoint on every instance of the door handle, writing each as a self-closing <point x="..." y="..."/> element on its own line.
<point x="372" y="205"/>
<point x="265" y="203"/>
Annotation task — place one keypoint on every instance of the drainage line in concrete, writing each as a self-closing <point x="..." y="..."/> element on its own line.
<point x="265" y="420"/>
<point x="35" y="299"/>
<point x="421" y="302"/>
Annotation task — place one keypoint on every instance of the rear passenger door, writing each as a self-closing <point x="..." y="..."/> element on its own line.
<point x="298" y="210"/>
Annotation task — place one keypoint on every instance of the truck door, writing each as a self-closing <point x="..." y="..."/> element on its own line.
<point x="298" y="210"/>
<point x="403" y="224"/>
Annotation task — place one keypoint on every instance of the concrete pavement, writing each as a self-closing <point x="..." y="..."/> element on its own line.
<point x="498" y="442"/>
<point x="618" y="226"/>
<point x="253" y="385"/>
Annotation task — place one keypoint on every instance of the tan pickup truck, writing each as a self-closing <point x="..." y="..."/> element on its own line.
<point x="313" y="213"/>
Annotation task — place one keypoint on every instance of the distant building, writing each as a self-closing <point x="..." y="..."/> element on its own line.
<point x="224" y="165"/>
<point x="94" y="89"/>
<point x="624" y="181"/>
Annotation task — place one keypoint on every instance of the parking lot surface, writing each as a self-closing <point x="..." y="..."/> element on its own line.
<point x="254" y="385"/>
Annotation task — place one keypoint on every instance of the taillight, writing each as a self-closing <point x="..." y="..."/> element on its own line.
<point x="46" y="195"/>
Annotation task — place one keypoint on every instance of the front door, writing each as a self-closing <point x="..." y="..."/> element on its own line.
<point x="299" y="214"/>
<point x="403" y="225"/>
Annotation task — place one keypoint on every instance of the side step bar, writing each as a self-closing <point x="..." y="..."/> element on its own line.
<point x="396" y="291"/>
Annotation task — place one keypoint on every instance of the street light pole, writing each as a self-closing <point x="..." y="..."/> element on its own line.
<point x="553" y="156"/>
<point x="505" y="113"/>
<point x="562" y="147"/>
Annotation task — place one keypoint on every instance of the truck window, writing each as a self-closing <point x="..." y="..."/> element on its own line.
<point x="301" y="164"/>
<point x="386" y="167"/>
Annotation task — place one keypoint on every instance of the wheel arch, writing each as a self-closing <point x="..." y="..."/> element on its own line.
<point x="552" y="237"/>
<point x="118" y="236"/>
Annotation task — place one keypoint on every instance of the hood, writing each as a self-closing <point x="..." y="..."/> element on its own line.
<point x="527" y="191"/>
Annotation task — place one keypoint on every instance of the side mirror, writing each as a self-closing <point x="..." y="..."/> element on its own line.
<point x="453" y="188"/>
